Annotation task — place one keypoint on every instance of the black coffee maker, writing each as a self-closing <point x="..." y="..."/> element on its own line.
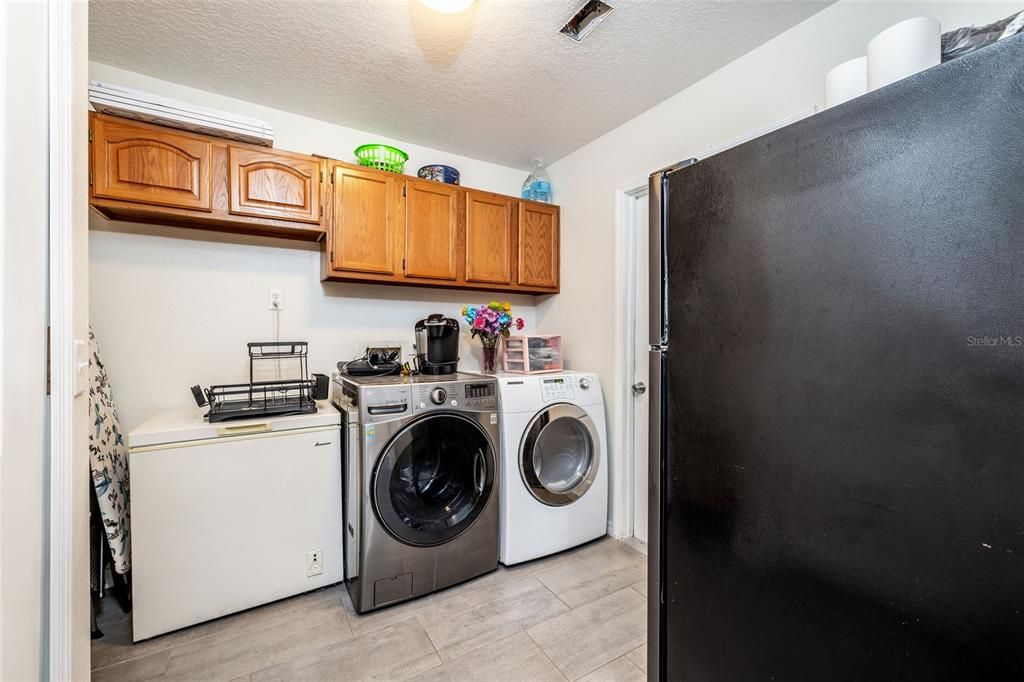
<point x="437" y="345"/>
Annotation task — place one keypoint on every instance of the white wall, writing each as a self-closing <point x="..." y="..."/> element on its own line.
<point x="306" y="135"/>
<point x="174" y="307"/>
<point x="775" y="81"/>
<point x="23" y="493"/>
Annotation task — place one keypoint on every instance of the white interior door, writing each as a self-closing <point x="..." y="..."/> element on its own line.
<point x="641" y="371"/>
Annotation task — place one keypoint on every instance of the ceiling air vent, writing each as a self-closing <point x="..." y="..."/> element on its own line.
<point x="586" y="20"/>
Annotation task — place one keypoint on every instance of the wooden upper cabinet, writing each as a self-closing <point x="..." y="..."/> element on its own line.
<point x="488" y="238"/>
<point x="431" y="230"/>
<point x="146" y="173"/>
<point x="538" y="245"/>
<point x="274" y="184"/>
<point x="132" y="162"/>
<point x="379" y="226"/>
<point x="367" y="227"/>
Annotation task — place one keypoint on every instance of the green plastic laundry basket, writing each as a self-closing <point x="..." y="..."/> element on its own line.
<point x="382" y="156"/>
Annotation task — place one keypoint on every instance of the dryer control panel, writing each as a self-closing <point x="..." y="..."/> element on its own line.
<point x="557" y="388"/>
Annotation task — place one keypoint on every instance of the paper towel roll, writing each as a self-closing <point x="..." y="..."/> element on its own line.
<point x="903" y="50"/>
<point x="846" y="81"/>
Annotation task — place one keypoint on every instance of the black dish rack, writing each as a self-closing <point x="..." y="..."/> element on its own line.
<point x="266" y="398"/>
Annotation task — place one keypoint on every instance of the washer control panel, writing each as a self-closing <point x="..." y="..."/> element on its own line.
<point x="557" y="388"/>
<point x="482" y="396"/>
<point x="452" y="396"/>
<point x="374" y="400"/>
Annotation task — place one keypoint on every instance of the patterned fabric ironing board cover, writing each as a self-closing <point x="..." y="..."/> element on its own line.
<point x="108" y="459"/>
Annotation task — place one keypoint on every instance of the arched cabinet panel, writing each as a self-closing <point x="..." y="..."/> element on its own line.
<point x="151" y="166"/>
<point x="273" y="184"/>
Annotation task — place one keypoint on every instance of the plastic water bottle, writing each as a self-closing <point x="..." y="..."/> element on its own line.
<point x="538" y="185"/>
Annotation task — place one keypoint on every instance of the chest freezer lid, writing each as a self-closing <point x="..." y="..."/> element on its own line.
<point x="182" y="426"/>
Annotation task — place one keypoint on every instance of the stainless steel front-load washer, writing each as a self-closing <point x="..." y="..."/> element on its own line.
<point x="420" y="483"/>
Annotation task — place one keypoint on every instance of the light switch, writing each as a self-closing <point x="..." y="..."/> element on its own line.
<point x="81" y="367"/>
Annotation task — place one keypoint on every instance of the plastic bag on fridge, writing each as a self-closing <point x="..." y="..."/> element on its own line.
<point x="970" y="38"/>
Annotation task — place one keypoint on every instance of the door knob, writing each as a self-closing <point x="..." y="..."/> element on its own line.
<point x="639" y="388"/>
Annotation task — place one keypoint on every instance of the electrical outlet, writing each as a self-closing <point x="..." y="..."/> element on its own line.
<point x="274" y="300"/>
<point x="314" y="563"/>
<point x="405" y="347"/>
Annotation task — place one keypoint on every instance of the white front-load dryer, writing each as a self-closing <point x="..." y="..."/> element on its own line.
<point x="554" y="482"/>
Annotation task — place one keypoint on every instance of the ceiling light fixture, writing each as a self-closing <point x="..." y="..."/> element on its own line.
<point x="448" y="6"/>
<point x="586" y="20"/>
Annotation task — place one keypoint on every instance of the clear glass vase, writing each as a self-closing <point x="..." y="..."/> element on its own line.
<point x="490" y="361"/>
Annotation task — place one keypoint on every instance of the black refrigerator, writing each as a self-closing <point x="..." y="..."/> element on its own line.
<point x="837" y="361"/>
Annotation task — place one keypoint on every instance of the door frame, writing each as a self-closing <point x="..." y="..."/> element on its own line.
<point x="62" y="371"/>
<point x="623" y="491"/>
<point x="65" y="634"/>
<point x="3" y="228"/>
<point x="626" y="231"/>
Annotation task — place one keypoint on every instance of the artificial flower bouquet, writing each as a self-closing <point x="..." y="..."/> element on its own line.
<point x="491" y="322"/>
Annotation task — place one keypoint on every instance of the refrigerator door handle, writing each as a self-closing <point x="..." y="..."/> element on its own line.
<point x="657" y="504"/>
<point x="658" y="240"/>
<point x="658" y="331"/>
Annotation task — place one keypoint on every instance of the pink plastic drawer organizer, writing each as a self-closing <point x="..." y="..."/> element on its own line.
<point x="533" y="354"/>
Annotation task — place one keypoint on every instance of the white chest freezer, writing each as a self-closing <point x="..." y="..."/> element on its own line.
<point x="232" y="515"/>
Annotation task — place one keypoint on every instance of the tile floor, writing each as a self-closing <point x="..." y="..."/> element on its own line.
<point x="579" y="615"/>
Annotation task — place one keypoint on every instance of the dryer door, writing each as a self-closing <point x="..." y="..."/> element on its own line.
<point x="559" y="456"/>
<point x="434" y="479"/>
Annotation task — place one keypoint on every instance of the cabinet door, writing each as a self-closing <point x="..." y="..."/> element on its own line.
<point x="431" y="230"/>
<point x="137" y="163"/>
<point x="274" y="184"/>
<point x="488" y="238"/>
<point x="538" y="245"/>
<point x="367" y="225"/>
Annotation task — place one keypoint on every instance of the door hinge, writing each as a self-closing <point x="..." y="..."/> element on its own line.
<point x="90" y="178"/>
<point x="47" y="360"/>
<point x="90" y="134"/>
<point x="403" y="265"/>
<point x="321" y="176"/>
<point x="403" y="190"/>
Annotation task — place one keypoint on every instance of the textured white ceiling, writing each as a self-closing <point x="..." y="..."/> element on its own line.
<point x="496" y="82"/>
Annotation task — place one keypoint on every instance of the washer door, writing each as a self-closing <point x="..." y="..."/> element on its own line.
<point x="558" y="457"/>
<point x="434" y="479"/>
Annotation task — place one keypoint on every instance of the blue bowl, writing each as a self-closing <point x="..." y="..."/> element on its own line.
<point x="439" y="173"/>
